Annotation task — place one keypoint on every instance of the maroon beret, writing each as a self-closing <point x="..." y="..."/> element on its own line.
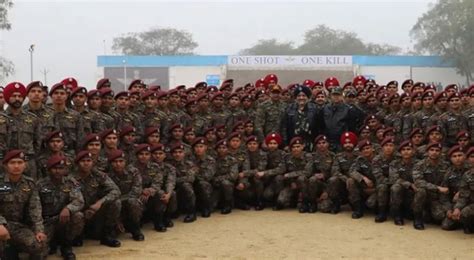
<point x="82" y="155"/>
<point x="434" y="145"/>
<point x="151" y="130"/>
<point x="56" y="160"/>
<point x="387" y="140"/>
<point x="199" y="140"/>
<point x="440" y="95"/>
<point x="462" y="134"/>
<point x="34" y="84"/>
<point x="102" y="82"/>
<point x="91" y="138"/>
<point x="454" y="95"/>
<point x="454" y="149"/>
<point x="142" y="147"/>
<point x="161" y="94"/>
<point x="210" y="129"/>
<point x="221" y="142"/>
<point x="251" y="138"/>
<point x="127" y="129"/>
<point x="172" y="92"/>
<point x="234" y="135"/>
<point x="108" y="132"/>
<point x="79" y="90"/>
<point x="296" y="140"/>
<point x="363" y="144"/>
<point x="53" y="134"/>
<point x="115" y="155"/>
<point x="122" y="94"/>
<point x="470" y="151"/>
<point x="93" y="93"/>
<point x="201" y="84"/>
<point x="136" y="82"/>
<point x="13" y="154"/>
<point x="177" y="146"/>
<point x="175" y="126"/>
<point x="148" y="93"/>
<point x="57" y="86"/>
<point x="157" y="147"/>
<point x="217" y="94"/>
<point x="406" y="143"/>
<point x="433" y="128"/>
<point x="202" y="96"/>
<point x="416" y="131"/>
<point x="320" y="138"/>
<point x="190" y="103"/>
<point x="106" y="92"/>
<point x="428" y="93"/>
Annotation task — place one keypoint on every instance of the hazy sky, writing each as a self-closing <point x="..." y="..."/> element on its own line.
<point x="69" y="35"/>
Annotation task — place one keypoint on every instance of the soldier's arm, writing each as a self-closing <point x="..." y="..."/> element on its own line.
<point x="419" y="180"/>
<point x="465" y="190"/>
<point x="79" y="131"/>
<point x="156" y="184"/>
<point x="210" y="170"/>
<point x="171" y="179"/>
<point x="354" y="172"/>
<point x="3" y="221"/>
<point x="380" y="179"/>
<point x="35" y="211"/>
<point x="279" y="170"/>
<point x="76" y="201"/>
<point x="260" y="117"/>
<point x="336" y="171"/>
<point x="284" y="129"/>
<point x="38" y="128"/>
<point x="233" y="174"/>
<point x="112" y="192"/>
<point x="137" y="186"/>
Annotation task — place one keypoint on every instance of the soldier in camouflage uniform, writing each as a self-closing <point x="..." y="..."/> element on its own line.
<point x="129" y="181"/>
<point x="319" y="171"/>
<point x="403" y="187"/>
<point x="463" y="209"/>
<point x="61" y="203"/>
<point x="166" y="201"/>
<point x="362" y="183"/>
<point x="269" y="114"/>
<point x="337" y="190"/>
<point x="102" y="201"/>
<point x="186" y="172"/>
<point x="453" y="121"/>
<point x="79" y="98"/>
<point x="293" y="169"/>
<point x="236" y="113"/>
<point x="428" y="175"/>
<point x="101" y="120"/>
<point x="204" y="176"/>
<point x="403" y="121"/>
<point x="152" y="116"/>
<point x="469" y="114"/>
<point x="453" y="180"/>
<point x="35" y="105"/>
<point x="24" y="128"/>
<point x="4" y="119"/>
<point x="127" y="142"/>
<point x="123" y="114"/>
<point x="219" y="113"/>
<point x="53" y="144"/>
<point x="20" y="212"/>
<point x="423" y="117"/>
<point x="226" y="175"/>
<point x="257" y="163"/>
<point x="68" y="121"/>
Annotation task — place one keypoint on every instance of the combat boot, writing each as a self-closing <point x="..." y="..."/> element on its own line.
<point x="190" y="218"/>
<point x="336" y="207"/>
<point x="66" y="251"/>
<point x="312" y="207"/>
<point x="302" y="207"/>
<point x="398" y="219"/>
<point x="260" y="205"/>
<point x="158" y="223"/>
<point x="109" y="238"/>
<point x="418" y="222"/>
<point x="205" y="213"/>
<point x="381" y="216"/>
<point x="358" y="210"/>
<point x="137" y="234"/>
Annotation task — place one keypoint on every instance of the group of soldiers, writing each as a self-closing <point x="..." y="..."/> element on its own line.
<point x="81" y="163"/>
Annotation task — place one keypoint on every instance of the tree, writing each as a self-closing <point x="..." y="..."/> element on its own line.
<point x="447" y="29"/>
<point x="157" y="41"/>
<point x="270" y="47"/>
<point x="6" y="67"/>
<point x="323" y="40"/>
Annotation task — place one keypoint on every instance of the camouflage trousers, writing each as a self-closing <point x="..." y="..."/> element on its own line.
<point x="63" y="234"/>
<point x="383" y="196"/>
<point x="223" y="193"/>
<point x="290" y="194"/>
<point x="246" y="195"/>
<point x="131" y="211"/>
<point x="186" y="197"/>
<point x="337" y="189"/>
<point x="467" y="216"/>
<point x="104" y="221"/>
<point x="23" y="239"/>
<point x="155" y="206"/>
<point x="314" y="189"/>
<point x="203" y="193"/>
<point x="358" y="193"/>
<point x="428" y="202"/>
<point x="401" y="198"/>
<point x="267" y="188"/>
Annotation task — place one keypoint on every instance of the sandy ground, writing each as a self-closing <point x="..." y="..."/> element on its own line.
<point x="287" y="234"/>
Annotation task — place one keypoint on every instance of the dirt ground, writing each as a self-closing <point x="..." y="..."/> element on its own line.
<point x="287" y="234"/>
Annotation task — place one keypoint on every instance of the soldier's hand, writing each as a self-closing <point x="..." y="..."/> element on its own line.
<point x="456" y="214"/>
<point x="413" y="187"/>
<point x="449" y="214"/>
<point x="259" y="174"/>
<point x="4" y="234"/>
<point x="89" y="213"/>
<point x="96" y="206"/>
<point x="40" y="237"/>
<point x="64" y="216"/>
<point x="294" y="186"/>
<point x="240" y="186"/>
<point x="323" y="196"/>
<point x="120" y="227"/>
<point x="456" y="197"/>
<point x="443" y="190"/>
<point x="144" y="198"/>
<point x="368" y="182"/>
<point x="286" y="175"/>
<point x="166" y="198"/>
<point x="319" y="176"/>
<point x="241" y="175"/>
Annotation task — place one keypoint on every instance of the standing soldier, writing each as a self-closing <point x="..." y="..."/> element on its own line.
<point x="36" y="95"/>
<point x="185" y="175"/>
<point x="206" y="171"/>
<point x="24" y="128"/>
<point x="79" y="98"/>
<point x="219" y="113"/>
<point x="130" y="184"/>
<point x="61" y="203"/>
<point x="236" y="113"/>
<point x="453" y="121"/>
<point x="101" y="197"/>
<point x="20" y="213"/>
<point x="428" y="175"/>
<point x="403" y="187"/>
<point x="337" y="189"/>
<point x="102" y="121"/>
<point x="151" y="116"/>
<point x="423" y="117"/>
<point x="68" y="121"/>
<point x="124" y="116"/>
<point x="269" y="113"/>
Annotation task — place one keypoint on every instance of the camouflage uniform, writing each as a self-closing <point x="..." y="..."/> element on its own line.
<point x="43" y="159"/>
<point x="203" y="183"/>
<point x="465" y="201"/>
<point x="70" y="123"/>
<point x="469" y="115"/>
<point x="235" y="115"/>
<point x="101" y="121"/>
<point x="54" y="198"/>
<point x="257" y="163"/>
<point x="21" y="211"/>
<point x="427" y="178"/>
<point x="128" y="118"/>
<point x="45" y="115"/>
<point x="273" y="181"/>
<point x="24" y="133"/>
<point x="98" y="186"/>
<point x="242" y="197"/>
<point x="269" y="114"/>
<point x="337" y="191"/>
<point x="359" y="192"/>
<point x="401" y="192"/>
<point x="219" y="117"/>
<point x="295" y="174"/>
<point x="452" y="123"/>
<point x="452" y="180"/>
<point x="224" y="180"/>
<point x="130" y="185"/>
<point x="423" y="118"/>
<point x="4" y="119"/>
<point x="382" y="174"/>
<point x="185" y="175"/>
<point x="321" y="163"/>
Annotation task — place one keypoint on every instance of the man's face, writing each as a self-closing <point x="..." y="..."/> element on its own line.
<point x="457" y="158"/>
<point x="392" y="88"/>
<point x="274" y="95"/>
<point x="178" y="155"/>
<point x="107" y="101"/>
<point x="94" y="147"/>
<point x="428" y="102"/>
<point x="56" y="144"/>
<point x="163" y="101"/>
<point x="407" y="152"/>
<point x="348" y="147"/>
<point x="297" y="149"/>
<point x="372" y="102"/>
<point x="222" y="150"/>
<point x="16" y="100"/>
<point x="234" y="143"/>
<point x="2" y="100"/>
<point x="130" y="138"/>
<point x="471" y="159"/>
<point x="59" y="97"/>
<point x="455" y="103"/>
<point x="118" y="165"/>
<point x="406" y="102"/>
<point x="388" y="148"/>
<point x="417" y="139"/>
<point x="153" y="138"/>
<point x="15" y="167"/>
<point x="434" y="153"/>
<point x="111" y="141"/>
<point x="203" y="103"/>
<point x="94" y="102"/>
<point x="367" y="151"/>
<point x="435" y="136"/>
<point x="336" y="98"/>
<point x="234" y="101"/>
<point x="301" y="99"/>
<point x="211" y="136"/>
<point x="86" y="164"/>
<point x="123" y="102"/>
<point x="150" y="102"/>
<point x="322" y="145"/>
<point x="200" y="149"/>
<point x="36" y="95"/>
<point x="177" y="133"/>
<point x="79" y="99"/>
<point x="174" y="99"/>
<point x="134" y="100"/>
<point x="272" y="145"/>
<point x="252" y="146"/>
<point x="320" y="99"/>
<point x="159" y="156"/>
<point x="463" y="141"/>
<point x="144" y="157"/>
<point x="218" y="101"/>
<point x="58" y="171"/>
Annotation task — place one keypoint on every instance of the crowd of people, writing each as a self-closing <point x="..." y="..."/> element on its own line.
<point x="90" y="164"/>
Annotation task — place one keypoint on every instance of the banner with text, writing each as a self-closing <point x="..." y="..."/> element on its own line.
<point x="289" y="61"/>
